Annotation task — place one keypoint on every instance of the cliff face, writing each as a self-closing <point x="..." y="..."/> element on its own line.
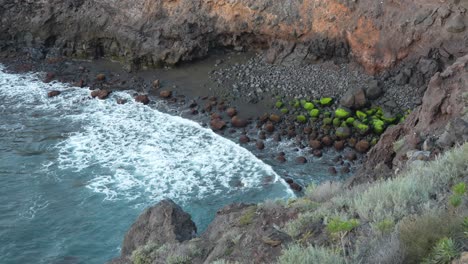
<point x="378" y="34"/>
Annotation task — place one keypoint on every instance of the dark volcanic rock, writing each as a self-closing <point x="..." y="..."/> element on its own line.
<point x="165" y="94"/>
<point x="217" y="124"/>
<point x="163" y="223"/>
<point x="238" y="122"/>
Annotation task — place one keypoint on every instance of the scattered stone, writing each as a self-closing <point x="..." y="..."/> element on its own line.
<point x="121" y="101"/>
<point x="144" y="99"/>
<point x="100" y="94"/>
<point x="355" y="99"/>
<point x="327" y="141"/>
<point x="49" y="77"/>
<point x="350" y="155"/>
<point x="165" y="94"/>
<point x="317" y="153"/>
<point x="217" y="124"/>
<point x="301" y="160"/>
<point x="277" y="137"/>
<point x="238" y="122"/>
<point x="339" y="145"/>
<point x="53" y="93"/>
<point x="260" y="145"/>
<point x="315" y="144"/>
<point x="269" y="127"/>
<point x="343" y="132"/>
<point x="332" y="170"/>
<point x="262" y="135"/>
<point x="275" y="118"/>
<point x="231" y="111"/>
<point x="156" y="84"/>
<point x="281" y="159"/>
<point x="244" y="139"/>
<point x="362" y="146"/>
<point x="345" y="170"/>
<point x="101" y="77"/>
<point x="296" y="187"/>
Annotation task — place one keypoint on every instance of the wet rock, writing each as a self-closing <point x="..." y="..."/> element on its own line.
<point x="244" y="139"/>
<point x="121" y="101"/>
<point x="100" y="94"/>
<point x="301" y="160"/>
<point x="269" y="127"/>
<point x="345" y="170"/>
<point x="53" y="93"/>
<point x="352" y="142"/>
<point x="281" y="159"/>
<point x="327" y="141"/>
<point x="315" y="144"/>
<point x="231" y="111"/>
<point x="332" y="170"/>
<point x="193" y="104"/>
<point x="350" y="155"/>
<point x="101" y="77"/>
<point x="456" y="24"/>
<point x="144" y="99"/>
<point x="343" y="132"/>
<point x="277" y="137"/>
<point x="165" y="94"/>
<point x="217" y="124"/>
<point x="156" y="84"/>
<point x="296" y="187"/>
<point x="317" y="153"/>
<point x="275" y="118"/>
<point x="362" y="146"/>
<point x="238" y="122"/>
<point x="163" y="223"/>
<point x="81" y="83"/>
<point x="260" y="145"/>
<point x="262" y="135"/>
<point x="339" y="145"/>
<point x="194" y="111"/>
<point x="49" y="77"/>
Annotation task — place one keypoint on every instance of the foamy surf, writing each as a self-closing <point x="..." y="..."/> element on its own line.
<point x="137" y="151"/>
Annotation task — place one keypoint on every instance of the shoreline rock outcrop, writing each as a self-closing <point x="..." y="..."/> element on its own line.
<point x="376" y="34"/>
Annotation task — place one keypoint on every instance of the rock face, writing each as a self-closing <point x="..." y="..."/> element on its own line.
<point x="150" y="33"/>
<point x="165" y="222"/>
<point x="442" y="118"/>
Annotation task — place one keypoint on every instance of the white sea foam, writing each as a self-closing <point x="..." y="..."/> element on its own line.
<point x="143" y="152"/>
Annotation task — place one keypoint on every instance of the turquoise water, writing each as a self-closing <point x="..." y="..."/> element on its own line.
<point x="76" y="172"/>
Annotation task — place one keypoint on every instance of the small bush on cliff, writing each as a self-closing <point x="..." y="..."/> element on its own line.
<point x="306" y="255"/>
<point x="178" y="260"/>
<point x="145" y="254"/>
<point x="248" y="216"/>
<point x="444" y="252"/>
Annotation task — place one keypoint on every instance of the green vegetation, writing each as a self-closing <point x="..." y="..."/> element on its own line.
<point x="178" y="260"/>
<point x="342" y="113"/>
<point x="307" y="255"/>
<point x="301" y="119"/>
<point x="444" y="252"/>
<point x="248" y="216"/>
<point x="326" y="101"/>
<point x="309" y="106"/>
<point x="279" y="104"/>
<point x="284" y="110"/>
<point x="314" y="113"/>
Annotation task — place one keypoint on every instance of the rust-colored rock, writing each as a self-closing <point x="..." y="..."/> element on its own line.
<point x="165" y="94"/>
<point x="100" y="94"/>
<point x="231" y="111"/>
<point x="315" y="144"/>
<point x="217" y="124"/>
<point x="362" y="146"/>
<point x="53" y="93"/>
<point x="275" y="118"/>
<point x="238" y="122"/>
<point x="144" y="99"/>
<point x="101" y="77"/>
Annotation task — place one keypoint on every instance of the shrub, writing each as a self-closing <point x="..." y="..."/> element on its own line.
<point x="314" y="113"/>
<point x="420" y="234"/>
<point x="324" y="191"/>
<point x="144" y="254"/>
<point x="443" y="252"/>
<point x="306" y="255"/>
<point x="327" y="121"/>
<point x="284" y="110"/>
<point x="337" y="225"/>
<point x="248" y="216"/>
<point x="385" y="226"/>
<point x="459" y="189"/>
<point x="279" y="104"/>
<point x="350" y="120"/>
<point x="361" y="115"/>
<point x="178" y="260"/>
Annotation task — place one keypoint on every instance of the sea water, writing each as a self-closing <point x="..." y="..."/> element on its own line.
<point x="76" y="172"/>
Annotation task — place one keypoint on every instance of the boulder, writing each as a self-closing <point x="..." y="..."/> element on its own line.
<point x="456" y="24"/>
<point x="100" y="94"/>
<point x="362" y="146"/>
<point x="269" y="127"/>
<point x="165" y="94"/>
<point x="355" y="99"/>
<point x="231" y="112"/>
<point x="244" y="139"/>
<point x="339" y="145"/>
<point x="238" y="122"/>
<point x="156" y="84"/>
<point x="142" y="99"/>
<point x="275" y="118"/>
<point x="343" y="132"/>
<point x="53" y="93"/>
<point x="315" y="144"/>
<point x="374" y="90"/>
<point x="217" y="124"/>
<point x="301" y="160"/>
<point x="327" y="141"/>
<point x="260" y="145"/>
<point x="49" y="77"/>
<point x="163" y="223"/>
<point x="101" y="77"/>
